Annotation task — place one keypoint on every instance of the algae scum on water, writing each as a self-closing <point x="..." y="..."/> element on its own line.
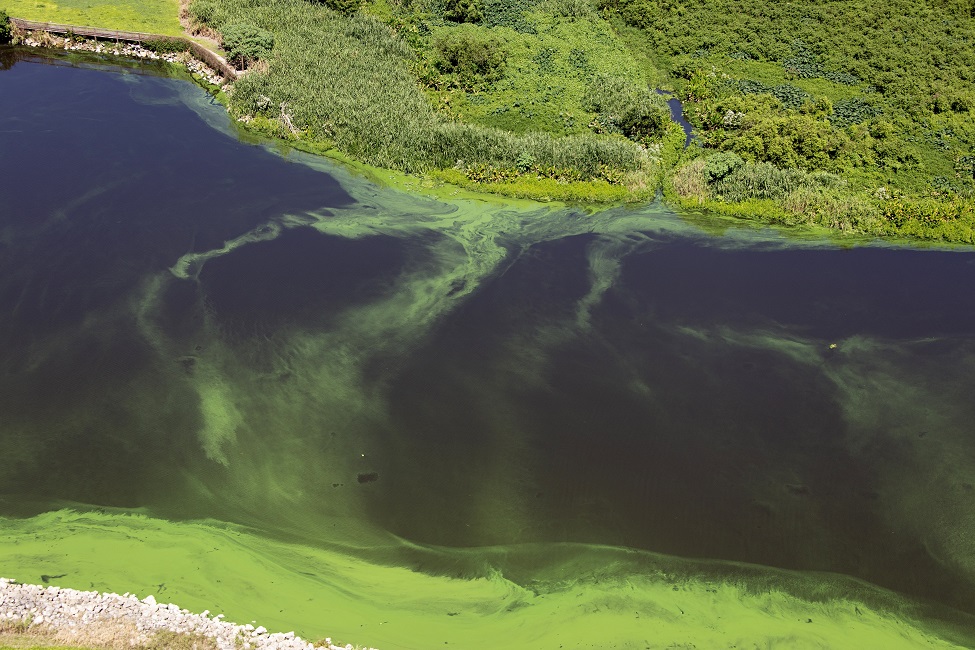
<point x="257" y="384"/>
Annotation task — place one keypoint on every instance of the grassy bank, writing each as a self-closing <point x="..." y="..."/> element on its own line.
<point x="153" y="16"/>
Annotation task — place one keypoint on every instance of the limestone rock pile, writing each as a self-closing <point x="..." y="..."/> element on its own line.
<point x="69" y="612"/>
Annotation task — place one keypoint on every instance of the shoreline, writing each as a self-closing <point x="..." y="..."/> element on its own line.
<point x="199" y="69"/>
<point x="73" y="616"/>
<point x="439" y="188"/>
<point x="883" y="221"/>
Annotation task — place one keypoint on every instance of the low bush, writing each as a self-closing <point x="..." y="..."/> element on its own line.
<point x="644" y="14"/>
<point x="463" y="11"/>
<point x="166" y="45"/>
<point x="853" y="111"/>
<point x="719" y="165"/>
<point x="246" y="43"/>
<point x="622" y="107"/>
<point x="5" y="30"/>
<point x="469" y="54"/>
<point x="509" y="13"/>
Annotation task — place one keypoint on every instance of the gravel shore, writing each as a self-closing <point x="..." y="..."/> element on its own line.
<point x="70" y="612"/>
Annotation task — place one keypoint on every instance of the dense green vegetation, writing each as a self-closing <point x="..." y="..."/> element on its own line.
<point x="4" y="27"/>
<point x="245" y="44"/>
<point x="553" y="107"/>
<point x="851" y="115"/>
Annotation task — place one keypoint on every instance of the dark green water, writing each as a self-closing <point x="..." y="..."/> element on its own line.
<point x="195" y="328"/>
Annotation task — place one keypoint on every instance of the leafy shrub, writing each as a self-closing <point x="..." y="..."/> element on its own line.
<point x="637" y="13"/>
<point x="636" y="112"/>
<point x="463" y="11"/>
<point x="803" y="63"/>
<point x="791" y="96"/>
<point x="844" y="78"/>
<point x="246" y="43"/>
<point x="788" y="95"/>
<point x="5" y="31"/>
<point x="471" y="54"/>
<point x="166" y="45"/>
<point x="719" y="165"/>
<point x="525" y="161"/>
<point x="757" y="128"/>
<point x="965" y="167"/>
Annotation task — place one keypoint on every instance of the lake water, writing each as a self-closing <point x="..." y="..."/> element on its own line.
<point x="254" y="382"/>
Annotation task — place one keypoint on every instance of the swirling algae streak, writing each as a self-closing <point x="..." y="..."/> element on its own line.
<point x="302" y="556"/>
<point x="348" y="583"/>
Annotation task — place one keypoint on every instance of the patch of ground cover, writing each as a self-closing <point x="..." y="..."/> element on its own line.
<point x="34" y="641"/>
<point x="94" y="636"/>
<point x="547" y="75"/>
<point x="153" y="16"/>
<point x="879" y="96"/>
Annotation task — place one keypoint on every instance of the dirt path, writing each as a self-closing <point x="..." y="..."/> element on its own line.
<point x="204" y="35"/>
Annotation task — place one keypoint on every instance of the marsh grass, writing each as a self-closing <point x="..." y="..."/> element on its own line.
<point x="541" y="188"/>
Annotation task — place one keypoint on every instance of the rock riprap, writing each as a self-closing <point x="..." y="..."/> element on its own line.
<point x="127" y="50"/>
<point x="69" y="612"/>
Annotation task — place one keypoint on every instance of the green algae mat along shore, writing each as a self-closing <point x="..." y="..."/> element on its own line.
<point x="314" y="591"/>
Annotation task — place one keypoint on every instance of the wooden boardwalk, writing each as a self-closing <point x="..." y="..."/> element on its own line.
<point x="209" y="57"/>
